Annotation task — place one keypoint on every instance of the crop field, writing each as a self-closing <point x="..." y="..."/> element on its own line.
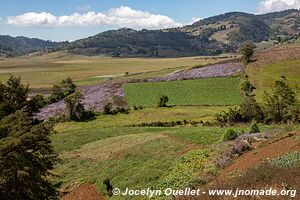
<point x="211" y="91"/>
<point x="137" y="157"/>
<point x="49" y="69"/>
<point x="263" y="77"/>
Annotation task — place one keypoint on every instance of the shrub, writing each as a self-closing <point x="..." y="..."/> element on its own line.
<point x="230" y="135"/>
<point x="232" y="116"/>
<point x="163" y="101"/>
<point x="254" y="128"/>
<point x="107" y="110"/>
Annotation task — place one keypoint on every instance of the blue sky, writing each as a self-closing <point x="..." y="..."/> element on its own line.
<point x="55" y="19"/>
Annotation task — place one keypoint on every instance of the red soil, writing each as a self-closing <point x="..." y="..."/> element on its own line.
<point x="268" y="149"/>
<point x="83" y="192"/>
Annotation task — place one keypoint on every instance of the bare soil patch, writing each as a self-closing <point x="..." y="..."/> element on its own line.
<point x="83" y="192"/>
<point x="265" y="150"/>
<point x="275" y="55"/>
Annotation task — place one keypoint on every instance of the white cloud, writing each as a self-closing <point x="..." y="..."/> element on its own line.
<point x="195" y="19"/>
<point x="122" y="16"/>
<point x="266" y="6"/>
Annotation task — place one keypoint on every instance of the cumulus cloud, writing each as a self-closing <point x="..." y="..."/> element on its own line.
<point x="122" y="16"/>
<point x="277" y="5"/>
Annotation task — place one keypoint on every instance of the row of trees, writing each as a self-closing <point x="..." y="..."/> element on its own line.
<point x="279" y="106"/>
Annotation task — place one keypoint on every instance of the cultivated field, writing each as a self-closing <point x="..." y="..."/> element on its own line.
<point x="136" y="157"/>
<point x="128" y="151"/>
<point x="49" y="69"/>
<point x="211" y="91"/>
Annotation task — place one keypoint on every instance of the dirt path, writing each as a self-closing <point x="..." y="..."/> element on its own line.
<point x="265" y="150"/>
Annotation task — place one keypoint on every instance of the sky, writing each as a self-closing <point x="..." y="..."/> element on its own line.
<point x="61" y="20"/>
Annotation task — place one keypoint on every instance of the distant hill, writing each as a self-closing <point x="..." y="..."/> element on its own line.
<point x="211" y="36"/>
<point x="17" y="46"/>
<point x="214" y="35"/>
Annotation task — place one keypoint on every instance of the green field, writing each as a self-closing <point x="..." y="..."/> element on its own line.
<point x="264" y="77"/>
<point x="49" y="69"/>
<point x="212" y="91"/>
<point x="139" y="158"/>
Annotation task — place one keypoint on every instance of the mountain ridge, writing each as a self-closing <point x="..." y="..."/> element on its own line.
<point x="210" y="36"/>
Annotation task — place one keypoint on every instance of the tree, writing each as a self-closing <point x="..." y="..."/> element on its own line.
<point x="250" y="109"/>
<point x="75" y="109"/>
<point x="163" y="101"/>
<point x="246" y="87"/>
<point x="68" y="86"/>
<point x="26" y="158"/>
<point x="35" y="103"/>
<point x="13" y="96"/>
<point x="247" y="52"/>
<point x="277" y="105"/>
<point x="56" y="95"/>
<point x="59" y="92"/>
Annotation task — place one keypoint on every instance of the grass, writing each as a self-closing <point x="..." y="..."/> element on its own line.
<point x="212" y="91"/>
<point x="73" y="135"/>
<point x="264" y="77"/>
<point x="140" y="158"/>
<point x="46" y="70"/>
<point x="140" y="166"/>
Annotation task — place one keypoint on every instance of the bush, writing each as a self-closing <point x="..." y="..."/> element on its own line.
<point x="163" y="101"/>
<point x="254" y="128"/>
<point x="231" y="117"/>
<point x="230" y="135"/>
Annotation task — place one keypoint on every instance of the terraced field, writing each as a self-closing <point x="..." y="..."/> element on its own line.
<point x="138" y="158"/>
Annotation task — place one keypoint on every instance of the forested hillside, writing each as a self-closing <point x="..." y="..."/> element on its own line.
<point x="219" y="34"/>
<point x="17" y="46"/>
